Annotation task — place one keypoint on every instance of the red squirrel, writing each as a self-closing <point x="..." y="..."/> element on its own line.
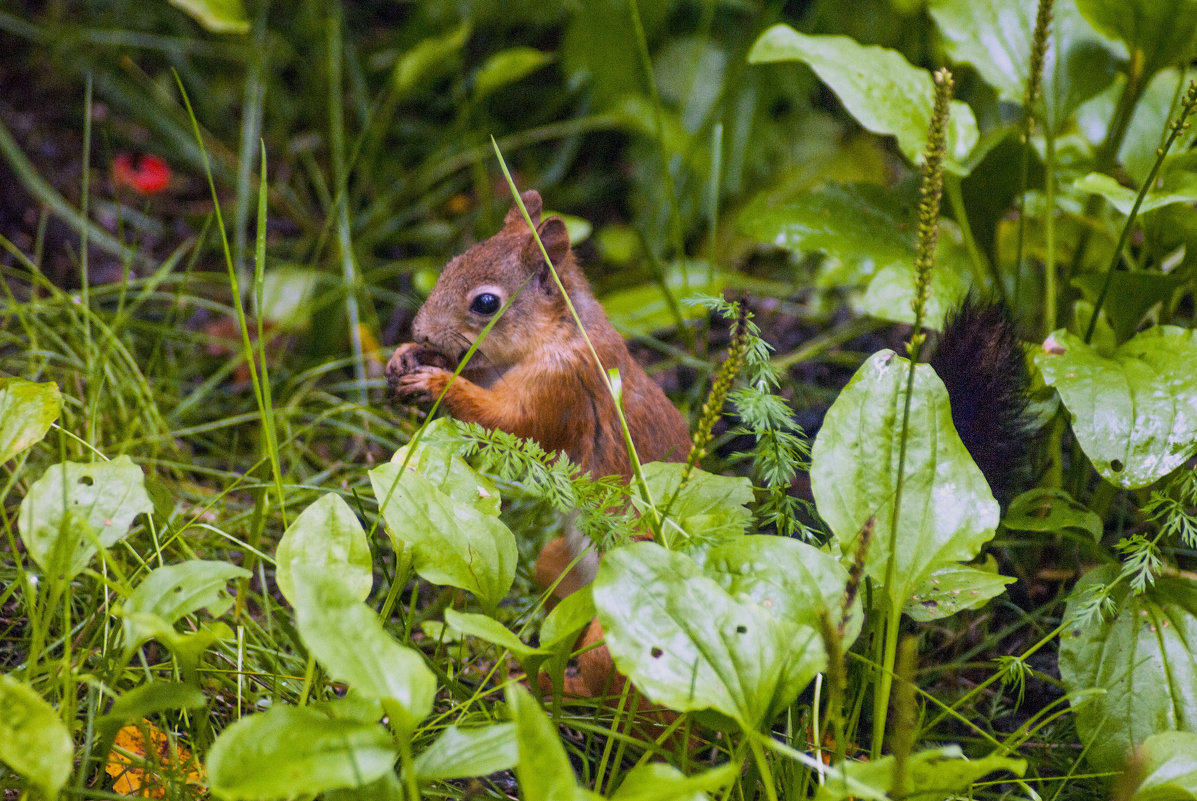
<point x="534" y="375"/>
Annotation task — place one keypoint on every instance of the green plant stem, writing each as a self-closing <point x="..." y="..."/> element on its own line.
<point x="885" y="679"/>
<point x="762" y="764"/>
<point x="984" y="273"/>
<point x="1051" y="297"/>
<point x="1116" y="257"/>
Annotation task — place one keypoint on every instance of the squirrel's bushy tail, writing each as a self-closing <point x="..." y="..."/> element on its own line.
<point x="980" y="361"/>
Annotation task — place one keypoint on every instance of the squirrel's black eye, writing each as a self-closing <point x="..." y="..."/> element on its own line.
<point x="485" y="304"/>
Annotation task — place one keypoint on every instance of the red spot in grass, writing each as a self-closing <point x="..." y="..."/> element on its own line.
<point x="146" y="175"/>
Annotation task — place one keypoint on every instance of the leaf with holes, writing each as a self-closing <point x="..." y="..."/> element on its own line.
<point x="75" y="508"/>
<point x="1134" y="412"/>
<point x="691" y="644"/>
<point x="168" y="593"/>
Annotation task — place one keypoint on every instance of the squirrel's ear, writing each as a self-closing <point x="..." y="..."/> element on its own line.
<point x="532" y="203"/>
<point x="555" y="237"/>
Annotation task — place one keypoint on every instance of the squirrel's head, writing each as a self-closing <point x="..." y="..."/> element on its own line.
<point x="507" y="268"/>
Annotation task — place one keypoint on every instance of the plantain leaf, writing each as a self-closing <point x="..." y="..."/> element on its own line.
<point x="507" y="66"/>
<point x="326" y="536"/>
<point x="26" y="412"/>
<point x="954" y="588"/>
<point x="170" y="592"/>
<point x="691" y="644"/>
<point x="1169" y="767"/>
<point x="1164" y="32"/>
<point x="1142" y="660"/>
<point x="933" y="774"/>
<point x="33" y="739"/>
<point x="289" y="751"/>
<point x="879" y="87"/>
<point x="217" y="16"/>
<point x="76" y="507"/>
<point x="947" y="511"/>
<point x="1134" y="413"/>
<point x="451" y="542"/>
<point x="347" y="637"/>
<point x="709" y="508"/>
<point x="544" y="771"/>
<point x="459" y="753"/>
<point x="1047" y="509"/>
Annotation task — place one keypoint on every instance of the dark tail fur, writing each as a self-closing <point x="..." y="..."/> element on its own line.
<point x="980" y="361"/>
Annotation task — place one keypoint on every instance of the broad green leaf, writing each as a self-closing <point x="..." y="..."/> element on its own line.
<point x="870" y="231"/>
<point x="435" y="458"/>
<point x="1148" y="127"/>
<point x="992" y="35"/>
<point x="864" y="225"/>
<point x="33" y="739"/>
<point x="217" y="16"/>
<point x="168" y="593"/>
<point x="932" y="775"/>
<point x="1168" y="768"/>
<point x="491" y="630"/>
<point x="450" y="541"/>
<point x="428" y="57"/>
<point x="1163" y="31"/>
<point x="326" y="536"/>
<point x="460" y="753"/>
<point x="656" y="781"/>
<point x="1134" y="413"/>
<point x="1184" y="190"/>
<point x="791" y="579"/>
<point x="569" y="617"/>
<point x="879" y="87"/>
<point x="289" y="751"/>
<point x="26" y="412"/>
<point x="891" y="293"/>
<point x="690" y="645"/>
<point x="386" y="788"/>
<point x="947" y="510"/>
<point x="75" y="506"/>
<point x="995" y="37"/>
<point x="1047" y="509"/>
<point x="1144" y="661"/>
<point x="708" y="510"/>
<point x="150" y="699"/>
<point x="347" y="638"/>
<point x="507" y="66"/>
<point x="954" y="588"/>
<point x="544" y="771"/>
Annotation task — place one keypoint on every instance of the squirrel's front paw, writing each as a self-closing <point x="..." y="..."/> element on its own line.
<point x="420" y="385"/>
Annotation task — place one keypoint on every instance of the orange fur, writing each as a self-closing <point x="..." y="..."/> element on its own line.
<point x="534" y="376"/>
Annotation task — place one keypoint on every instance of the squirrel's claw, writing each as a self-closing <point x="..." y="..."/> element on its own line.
<point x="423" y="384"/>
